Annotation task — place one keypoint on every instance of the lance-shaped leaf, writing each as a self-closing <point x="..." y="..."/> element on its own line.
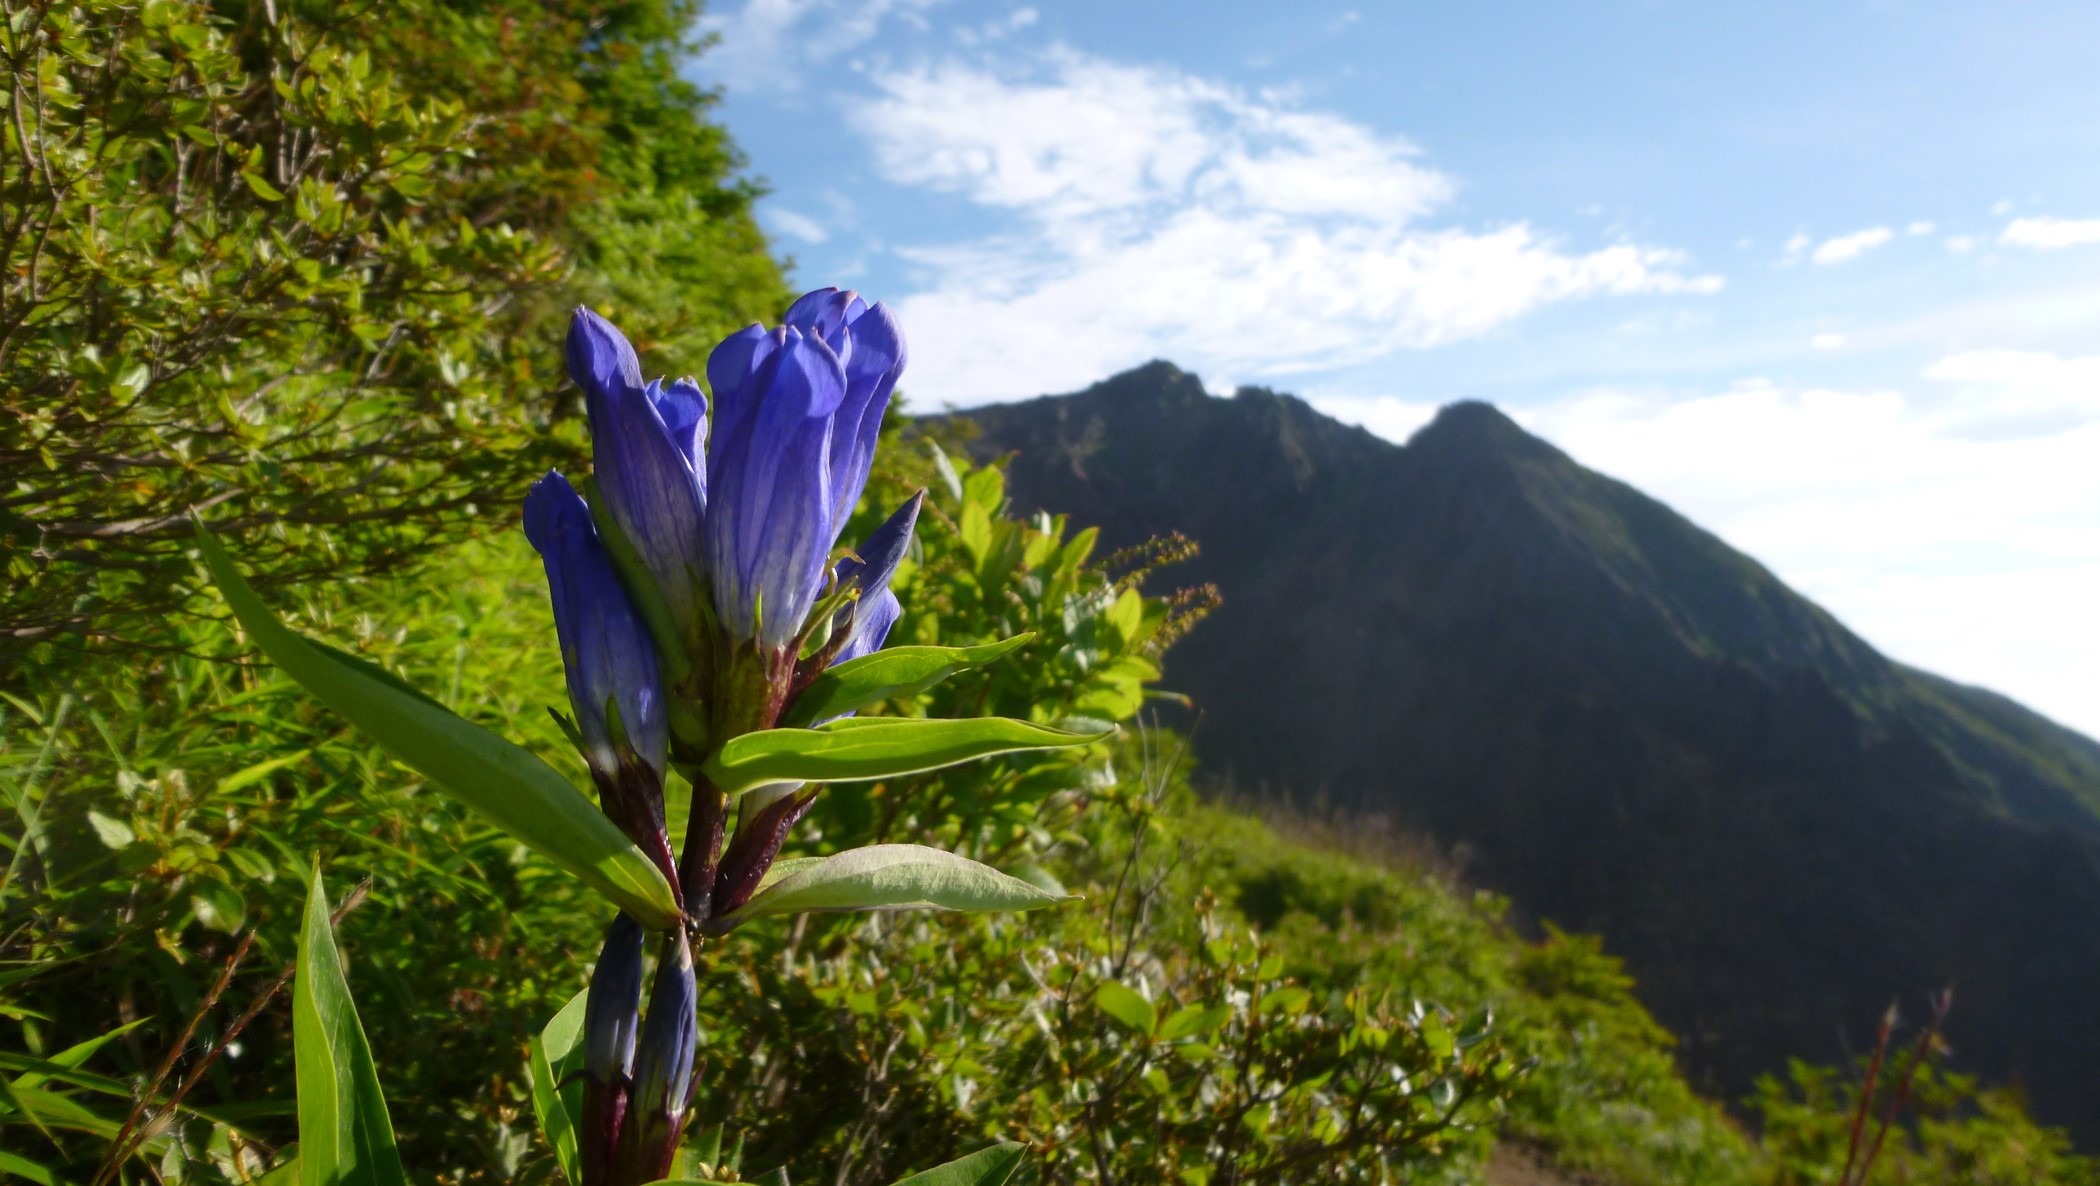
<point x="898" y="671"/>
<point x="990" y="1166"/>
<point x="889" y="877"/>
<point x="509" y="785"/>
<point x="860" y="749"/>
<point x="345" y="1138"/>
<point x="551" y="1058"/>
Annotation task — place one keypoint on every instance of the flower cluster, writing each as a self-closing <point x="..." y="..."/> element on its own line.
<point x="698" y="588"/>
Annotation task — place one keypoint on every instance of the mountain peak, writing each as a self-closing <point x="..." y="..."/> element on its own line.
<point x="1470" y="427"/>
<point x="1633" y="727"/>
<point x="1158" y="383"/>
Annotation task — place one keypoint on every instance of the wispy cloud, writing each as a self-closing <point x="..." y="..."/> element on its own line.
<point x="2051" y="233"/>
<point x="1155" y="213"/>
<point x="801" y="226"/>
<point x="1852" y="246"/>
<point x="768" y="45"/>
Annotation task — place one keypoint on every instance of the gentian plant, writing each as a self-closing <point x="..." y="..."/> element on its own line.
<point x="712" y="628"/>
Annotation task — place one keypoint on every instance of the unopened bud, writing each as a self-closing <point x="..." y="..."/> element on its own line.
<point x="611" y="1015"/>
<point x="663" y="1070"/>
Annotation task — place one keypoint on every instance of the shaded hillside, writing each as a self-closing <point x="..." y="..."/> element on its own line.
<point x="1631" y="727"/>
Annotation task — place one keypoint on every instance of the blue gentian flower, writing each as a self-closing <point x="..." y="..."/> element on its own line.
<point x="646" y="445"/>
<point x="870" y="346"/>
<point x="751" y="506"/>
<point x="606" y="650"/>
<point x="772" y="530"/>
<point x="797" y="413"/>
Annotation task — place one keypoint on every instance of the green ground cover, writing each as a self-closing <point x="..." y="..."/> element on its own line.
<point x="272" y="259"/>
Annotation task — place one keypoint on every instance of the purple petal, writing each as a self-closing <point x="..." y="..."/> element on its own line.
<point x="605" y="648"/>
<point x="824" y="312"/>
<point x="772" y="529"/>
<point x="600" y="357"/>
<point x="873" y="364"/>
<point x="729" y="372"/>
<point x="873" y="615"/>
<point x="876" y="559"/>
<point x="683" y="407"/>
<point x="650" y="484"/>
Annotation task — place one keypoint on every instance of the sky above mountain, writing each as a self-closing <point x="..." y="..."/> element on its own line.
<point x="1824" y="276"/>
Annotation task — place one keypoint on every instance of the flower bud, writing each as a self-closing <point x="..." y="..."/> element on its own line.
<point x="663" y="1070"/>
<point x="614" y="686"/>
<point x="611" y="1014"/>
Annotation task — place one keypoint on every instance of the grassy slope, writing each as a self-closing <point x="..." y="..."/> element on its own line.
<point x="1605" y="1095"/>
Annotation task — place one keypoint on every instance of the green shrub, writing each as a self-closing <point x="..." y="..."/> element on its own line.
<point x="297" y="263"/>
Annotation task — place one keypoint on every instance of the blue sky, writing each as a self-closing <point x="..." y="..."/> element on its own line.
<point x="1825" y="277"/>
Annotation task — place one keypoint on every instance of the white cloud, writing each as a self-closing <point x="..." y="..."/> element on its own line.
<point x="2051" y="233"/>
<point x="801" y="226"/>
<point x="1956" y="525"/>
<point x="1921" y="227"/>
<point x="1961" y="243"/>
<point x="1826" y="341"/>
<point x="768" y="44"/>
<point x="1852" y="246"/>
<point x="1393" y="419"/>
<point x="1798" y="245"/>
<point x="1157" y="214"/>
<point x="999" y="29"/>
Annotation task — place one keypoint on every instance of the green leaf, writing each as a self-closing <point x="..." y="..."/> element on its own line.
<point x="1289" y="999"/>
<point x="25" y="1168"/>
<point x="890" y="877"/>
<point x="261" y="770"/>
<point x="1123" y="1003"/>
<point x="1192" y="1020"/>
<point x="218" y="907"/>
<point x="263" y="189"/>
<point x="549" y="1059"/>
<point x="510" y="786"/>
<point x="113" y="833"/>
<point x="987" y="1167"/>
<point x="78" y="1053"/>
<point x="345" y="1138"/>
<point x="884" y="675"/>
<point x="856" y="750"/>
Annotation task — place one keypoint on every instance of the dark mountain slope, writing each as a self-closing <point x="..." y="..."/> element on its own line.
<point x="1633" y="728"/>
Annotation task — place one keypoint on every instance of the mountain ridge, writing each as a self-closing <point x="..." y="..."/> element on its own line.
<point x="1635" y="729"/>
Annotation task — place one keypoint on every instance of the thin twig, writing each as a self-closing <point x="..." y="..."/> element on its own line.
<point x="1866" y="1093"/>
<point x="1919" y="1052"/>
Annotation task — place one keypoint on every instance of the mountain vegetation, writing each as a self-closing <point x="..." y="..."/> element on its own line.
<point x="299" y="265"/>
<point x="1622" y="723"/>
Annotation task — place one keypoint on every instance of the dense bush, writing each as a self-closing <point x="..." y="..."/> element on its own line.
<point x="297" y="263"/>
